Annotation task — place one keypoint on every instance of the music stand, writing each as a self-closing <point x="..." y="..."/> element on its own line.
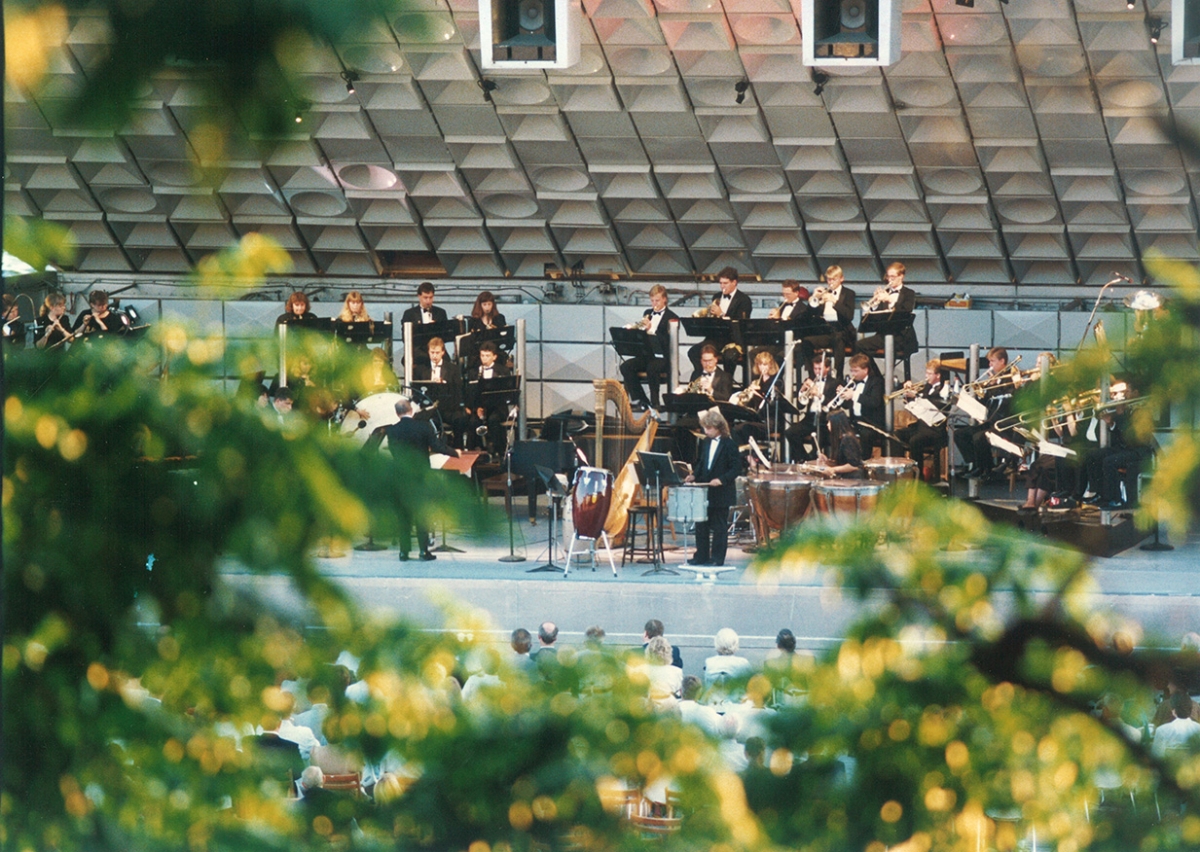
<point x="363" y="333"/>
<point x="462" y="465"/>
<point x="423" y="332"/>
<point x="661" y="468"/>
<point x="555" y="491"/>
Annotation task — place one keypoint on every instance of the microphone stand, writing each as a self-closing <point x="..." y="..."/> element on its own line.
<point x="1096" y="307"/>
<point x="512" y="556"/>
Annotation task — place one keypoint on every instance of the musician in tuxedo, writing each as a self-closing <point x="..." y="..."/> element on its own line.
<point x="710" y="379"/>
<point x="972" y="440"/>
<point x="99" y="318"/>
<point x="793" y="305"/>
<point x="815" y="393"/>
<point x="449" y="396"/>
<point x="656" y="322"/>
<point x="424" y="311"/>
<point x="865" y="404"/>
<point x="833" y="303"/>
<point x="921" y="438"/>
<point x="718" y="466"/>
<point x="731" y="304"/>
<point x="894" y="301"/>
<point x="410" y="442"/>
<point x="482" y="414"/>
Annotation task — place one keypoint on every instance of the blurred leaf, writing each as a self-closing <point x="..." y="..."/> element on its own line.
<point x="37" y="242"/>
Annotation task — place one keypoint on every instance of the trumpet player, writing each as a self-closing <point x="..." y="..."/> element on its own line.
<point x="921" y="438"/>
<point x="656" y="322"/>
<point x="730" y="304"/>
<point x="896" y="301"/>
<point x="865" y="402"/>
<point x="833" y="303"/>
<point x="816" y="392"/>
<point x="972" y="440"/>
<point x="765" y="370"/>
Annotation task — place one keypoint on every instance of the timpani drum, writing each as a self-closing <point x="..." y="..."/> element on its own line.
<point x="593" y="495"/>
<point x="779" y="498"/>
<point x="846" y="499"/>
<point x="687" y="504"/>
<point x="889" y="470"/>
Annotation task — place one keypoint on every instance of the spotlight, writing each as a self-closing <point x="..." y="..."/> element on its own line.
<point x="351" y="77"/>
<point x="740" y="87"/>
<point x="1155" y="26"/>
<point x="299" y="117"/>
<point x="970" y="4"/>
<point x="1130" y="5"/>
<point x="488" y="87"/>
<point x="820" y="78"/>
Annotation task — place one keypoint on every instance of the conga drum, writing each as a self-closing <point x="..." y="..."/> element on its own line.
<point x="891" y="469"/>
<point x="593" y="494"/>
<point x="846" y="499"/>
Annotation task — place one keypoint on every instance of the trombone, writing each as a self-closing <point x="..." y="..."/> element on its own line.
<point x="908" y="387"/>
<point x="989" y="382"/>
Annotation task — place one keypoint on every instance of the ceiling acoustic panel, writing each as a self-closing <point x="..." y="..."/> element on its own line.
<point x="1017" y="142"/>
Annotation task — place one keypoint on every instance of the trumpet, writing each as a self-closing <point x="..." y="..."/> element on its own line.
<point x="909" y="387"/>
<point x="805" y="396"/>
<point x="821" y="297"/>
<point x="882" y="300"/>
<point x="844" y="392"/>
<point x="642" y="324"/>
<point x="987" y="381"/>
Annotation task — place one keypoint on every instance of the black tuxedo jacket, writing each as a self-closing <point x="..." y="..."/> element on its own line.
<point x="499" y="371"/>
<point x="906" y="304"/>
<point x="413" y="315"/>
<point x="844" y="306"/>
<point x="451" y="378"/>
<point x="740" y="306"/>
<point x="415" y="437"/>
<point x="663" y="333"/>
<point x="726" y="466"/>
<point x="722" y="384"/>
<point x="871" y="401"/>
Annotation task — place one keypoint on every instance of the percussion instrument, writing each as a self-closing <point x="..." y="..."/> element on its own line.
<point x="891" y="469"/>
<point x="687" y="504"/>
<point x="593" y="494"/>
<point x="779" y="498"/>
<point x="846" y="499"/>
<point x="381" y="408"/>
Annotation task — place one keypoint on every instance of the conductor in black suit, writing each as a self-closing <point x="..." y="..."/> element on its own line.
<point x="718" y="466"/>
<point x="731" y="304"/>
<point x="656" y="321"/>
<point x="411" y="441"/>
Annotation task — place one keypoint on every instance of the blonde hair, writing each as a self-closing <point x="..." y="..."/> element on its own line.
<point x="765" y="357"/>
<point x="658" y="290"/>
<point x="834" y="270"/>
<point x="348" y="314"/>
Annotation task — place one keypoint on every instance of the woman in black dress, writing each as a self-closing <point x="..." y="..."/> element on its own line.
<point x="847" y="460"/>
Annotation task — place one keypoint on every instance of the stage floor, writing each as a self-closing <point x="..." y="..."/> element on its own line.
<point x="1159" y="589"/>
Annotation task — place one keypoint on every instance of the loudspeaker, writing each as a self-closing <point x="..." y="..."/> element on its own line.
<point x="529" y="33"/>
<point x="851" y="32"/>
<point x="1185" y="32"/>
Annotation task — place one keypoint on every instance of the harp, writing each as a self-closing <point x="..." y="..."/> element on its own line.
<point x="618" y="440"/>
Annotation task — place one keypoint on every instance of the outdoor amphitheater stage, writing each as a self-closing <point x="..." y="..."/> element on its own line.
<point x="1161" y="589"/>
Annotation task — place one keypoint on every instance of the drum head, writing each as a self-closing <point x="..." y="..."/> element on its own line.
<point x="381" y="411"/>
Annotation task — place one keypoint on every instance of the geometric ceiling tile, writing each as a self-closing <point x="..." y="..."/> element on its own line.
<point x="841" y="243"/>
<point x="1101" y="246"/>
<point x="1087" y="188"/>
<point x="765" y="29"/>
<point x="951" y="181"/>
<point x="639" y="210"/>
<point x="539" y="128"/>
<point x="1036" y="245"/>
<point x="1011" y="158"/>
<point x="905" y="243"/>
<point x="344" y="125"/>
<point x="737" y="128"/>
<point x="53" y="177"/>
<point x="789" y="243"/>
<point x="627" y="185"/>
<point x="1137" y="130"/>
<point x="449" y="208"/>
<point x="710" y="63"/>
<point x="888" y="187"/>
<point x="460" y="240"/>
<point x="401" y="239"/>
<point x="972" y="244"/>
<point x="256" y="205"/>
<point x="992" y="95"/>
<point x="702" y="211"/>
<point x="577" y="214"/>
<point x="507" y="206"/>
<point x="1094" y="214"/>
<point x="830" y="208"/>
<point x="699" y="32"/>
<point x="973" y="30"/>
<point x="895" y="212"/>
<point x="654" y="237"/>
<point x="755" y="180"/>
<point x="321" y="204"/>
<point x="1163" y="217"/>
<point x="628" y="31"/>
<point x="561" y="179"/>
<point x="487" y="156"/>
<point x="436" y="184"/>
<point x="664" y="263"/>
<point x="197" y="208"/>
<point x="1019" y="184"/>
<point x="1027" y="211"/>
<point x="338" y="239"/>
<point x="589" y="241"/>
<point x="962" y="217"/>
<point x="770" y="215"/>
<point x="716" y="238"/>
<point x="824" y="183"/>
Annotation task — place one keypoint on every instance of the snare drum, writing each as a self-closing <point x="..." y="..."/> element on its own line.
<point x="593" y="495"/>
<point x="687" y="504"/>
<point x="891" y="470"/>
<point x="846" y="499"/>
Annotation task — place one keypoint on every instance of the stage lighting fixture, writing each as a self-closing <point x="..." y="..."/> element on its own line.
<point x="1155" y="26"/>
<point x="488" y="87"/>
<point x="350" y="77"/>
<point x="970" y="4"/>
<point x="740" y="87"/>
<point x="820" y="78"/>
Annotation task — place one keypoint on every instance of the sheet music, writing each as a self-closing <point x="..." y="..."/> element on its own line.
<point x="972" y="407"/>
<point x="925" y="411"/>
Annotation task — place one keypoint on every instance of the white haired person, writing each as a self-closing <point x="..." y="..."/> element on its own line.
<point x="665" y="680"/>
<point x="725" y="666"/>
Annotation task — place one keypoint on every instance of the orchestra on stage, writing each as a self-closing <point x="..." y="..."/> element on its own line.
<point x="801" y="398"/>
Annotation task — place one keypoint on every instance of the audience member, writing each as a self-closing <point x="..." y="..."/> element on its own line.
<point x="726" y="665"/>
<point x="692" y="712"/>
<point x="547" y="655"/>
<point x="653" y="628"/>
<point x="665" y="681"/>
<point x="1180" y="731"/>
<point x="521" y="643"/>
